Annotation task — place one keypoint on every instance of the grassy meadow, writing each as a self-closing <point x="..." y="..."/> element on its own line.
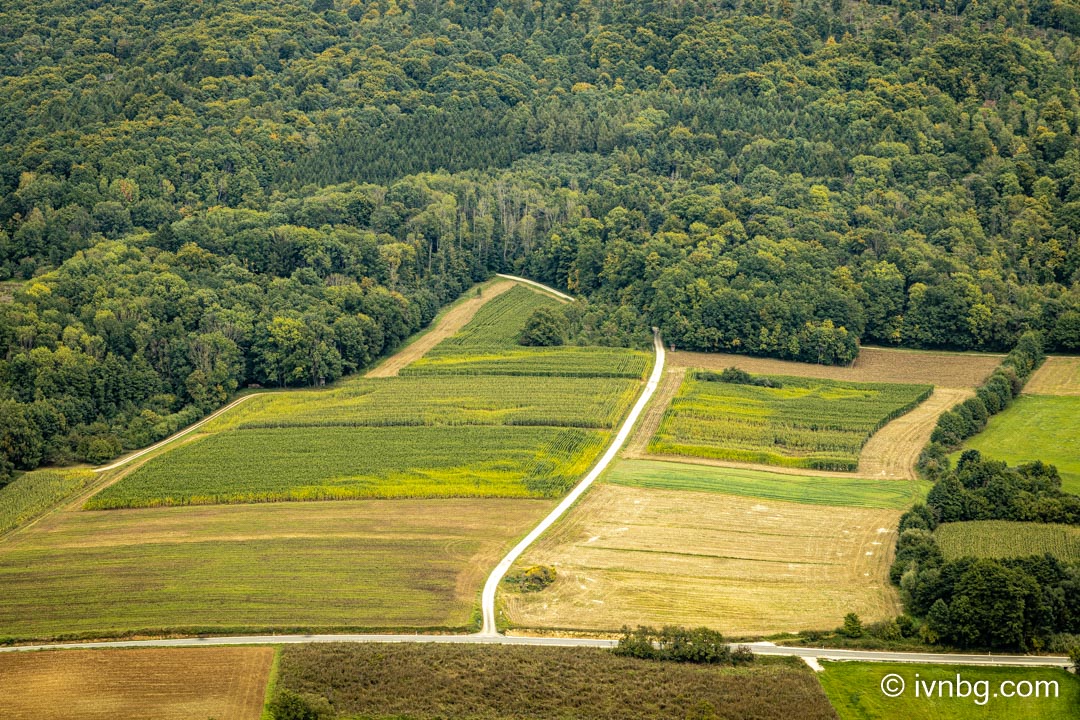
<point x="806" y="423"/>
<point x="419" y="435"/>
<point x="432" y="681"/>
<point x="807" y="489"/>
<point x="1036" y="427"/>
<point x="241" y="568"/>
<point x="1005" y="539"/>
<point x="854" y="689"/>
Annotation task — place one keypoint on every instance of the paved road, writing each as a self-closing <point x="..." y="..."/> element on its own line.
<point x="487" y="599"/>
<point x="480" y="639"/>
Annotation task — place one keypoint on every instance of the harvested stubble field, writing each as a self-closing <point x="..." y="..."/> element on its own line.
<point x="1005" y="539"/>
<point x="360" y="564"/>
<point x="1057" y="376"/>
<point x="1036" y="427"/>
<point x="742" y="565"/>
<point x="407" y="436"/>
<point x="807" y="423"/>
<point x="855" y="691"/>
<point x="429" y="682"/>
<point x="144" y="684"/>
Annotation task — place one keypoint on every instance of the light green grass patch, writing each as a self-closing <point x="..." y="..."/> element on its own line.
<point x="1005" y="539"/>
<point x="806" y="423"/>
<point x="1036" y="427"/>
<point x="851" y="492"/>
<point x="855" y="691"/>
<point x="32" y="493"/>
<point x="266" y="465"/>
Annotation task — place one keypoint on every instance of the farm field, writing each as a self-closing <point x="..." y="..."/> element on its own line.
<point x="807" y="423"/>
<point x="1036" y="427"/>
<point x="163" y="684"/>
<point x="847" y="491"/>
<point x="236" y="568"/>
<point x="874" y="365"/>
<point x="741" y="564"/>
<point x="429" y="682"/>
<point x="1056" y="376"/>
<point x="436" y="435"/>
<point x="1004" y="539"/>
<point x="33" y="493"/>
<point x="855" y="691"/>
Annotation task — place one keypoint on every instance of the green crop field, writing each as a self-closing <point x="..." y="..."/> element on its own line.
<point x="1005" y="539"/>
<point x="34" y="492"/>
<point x="854" y="689"/>
<point x="431" y="681"/>
<point x="241" y="568"/>
<point x="836" y="491"/>
<point x="325" y="463"/>
<point x="488" y="346"/>
<point x="806" y="423"/>
<point x="1036" y="427"/>
<point x="407" y="436"/>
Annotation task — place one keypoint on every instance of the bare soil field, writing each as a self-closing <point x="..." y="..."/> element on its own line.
<point x="336" y="564"/>
<point x="1057" y="376"/>
<point x="893" y="450"/>
<point x="455" y="318"/>
<point x="742" y="565"/>
<point x="948" y="370"/>
<point x="150" y="684"/>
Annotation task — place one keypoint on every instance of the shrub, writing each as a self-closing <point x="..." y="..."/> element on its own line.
<point x="533" y="579"/>
<point x="852" y="626"/>
<point x="546" y="327"/>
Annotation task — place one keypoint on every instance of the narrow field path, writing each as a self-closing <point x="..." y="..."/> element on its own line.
<point x="487" y="601"/>
<point x="455" y="319"/>
<point x="891" y="452"/>
<point x="650" y="422"/>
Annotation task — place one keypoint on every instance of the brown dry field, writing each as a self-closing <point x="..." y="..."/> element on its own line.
<point x="743" y="566"/>
<point x="1057" y="376"/>
<point x="892" y="451"/>
<point x="949" y="370"/>
<point x="150" y="684"/>
<point x="455" y="319"/>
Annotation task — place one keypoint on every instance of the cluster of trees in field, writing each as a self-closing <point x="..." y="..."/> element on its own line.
<point x="678" y="644"/>
<point x="200" y="196"/>
<point x="1014" y="603"/>
<point x="993" y="396"/>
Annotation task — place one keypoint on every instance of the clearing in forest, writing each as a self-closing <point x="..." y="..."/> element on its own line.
<point x="1036" y="427"/>
<point x="423" y="434"/>
<point x="745" y="564"/>
<point x="791" y="422"/>
<point x="164" y="684"/>
<point x="1056" y="376"/>
<point x="432" y="681"/>
<point x="375" y="564"/>
<point x="1006" y="539"/>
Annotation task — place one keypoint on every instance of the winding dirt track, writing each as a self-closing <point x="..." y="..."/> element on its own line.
<point x="455" y="319"/>
<point x="891" y="452"/>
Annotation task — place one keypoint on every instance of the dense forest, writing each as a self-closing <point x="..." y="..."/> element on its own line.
<point x="195" y="197"/>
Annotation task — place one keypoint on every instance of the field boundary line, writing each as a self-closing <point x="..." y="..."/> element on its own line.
<point x="487" y="599"/>
<point x="541" y="286"/>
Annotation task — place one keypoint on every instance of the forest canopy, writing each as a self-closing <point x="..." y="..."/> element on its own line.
<point x="195" y="197"/>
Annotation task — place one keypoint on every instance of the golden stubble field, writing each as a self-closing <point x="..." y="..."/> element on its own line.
<point x="744" y="566"/>
<point x="1057" y="376"/>
<point x="143" y="684"/>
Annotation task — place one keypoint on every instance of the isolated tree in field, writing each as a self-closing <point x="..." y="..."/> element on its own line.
<point x="852" y="626"/>
<point x="544" y="328"/>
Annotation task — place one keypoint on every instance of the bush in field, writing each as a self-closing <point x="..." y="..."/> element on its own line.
<point x="533" y="579"/>
<point x="288" y="705"/>
<point x="546" y="327"/>
<point x="698" y="645"/>
<point x="735" y="376"/>
<point x="852" y="626"/>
